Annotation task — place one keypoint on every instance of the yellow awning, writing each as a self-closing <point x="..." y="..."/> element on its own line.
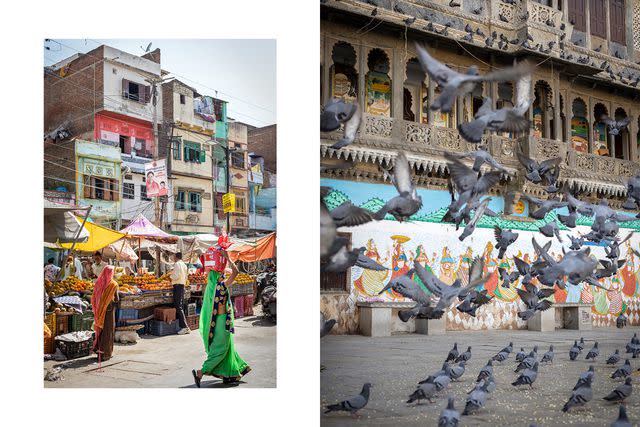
<point x="99" y="237"/>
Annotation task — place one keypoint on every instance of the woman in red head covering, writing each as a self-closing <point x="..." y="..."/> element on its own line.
<point x="105" y="295"/>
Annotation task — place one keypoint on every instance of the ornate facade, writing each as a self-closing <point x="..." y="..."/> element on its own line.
<point x="587" y="65"/>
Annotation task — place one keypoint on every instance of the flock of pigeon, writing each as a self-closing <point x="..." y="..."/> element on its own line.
<point x="469" y="187"/>
<point x="527" y="368"/>
<point x="528" y="41"/>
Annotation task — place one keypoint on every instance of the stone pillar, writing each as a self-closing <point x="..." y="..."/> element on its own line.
<point x="362" y="70"/>
<point x="326" y="70"/>
<point x="568" y="113"/>
<point x="633" y="136"/>
<point x="587" y="24"/>
<point x="628" y="19"/>
<point x="397" y="85"/>
<point x="590" y="123"/>
<point x="606" y="21"/>
<point x="565" y="10"/>
<point x="557" y="123"/>
<point x="431" y="95"/>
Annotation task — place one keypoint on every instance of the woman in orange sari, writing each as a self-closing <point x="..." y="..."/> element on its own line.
<point x="105" y="295"/>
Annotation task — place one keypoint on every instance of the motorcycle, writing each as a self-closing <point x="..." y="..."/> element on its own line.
<point x="267" y="293"/>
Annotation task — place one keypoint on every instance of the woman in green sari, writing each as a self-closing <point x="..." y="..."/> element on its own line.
<point x="216" y="329"/>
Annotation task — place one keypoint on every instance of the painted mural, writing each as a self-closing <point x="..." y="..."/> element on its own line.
<point x="580" y="134"/>
<point x="436" y="246"/>
<point x="600" y="139"/>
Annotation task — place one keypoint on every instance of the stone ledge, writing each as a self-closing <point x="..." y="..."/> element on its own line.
<point x="385" y="304"/>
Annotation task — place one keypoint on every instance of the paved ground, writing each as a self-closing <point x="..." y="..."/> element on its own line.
<point x="167" y="361"/>
<point x="395" y="364"/>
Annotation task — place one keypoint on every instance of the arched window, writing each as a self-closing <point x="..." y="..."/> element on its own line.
<point x="344" y="77"/>
<point x="542" y="116"/>
<point x="378" y="84"/>
<point x="505" y="100"/>
<point x="579" y="126"/>
<point x="414" y="91"/>
<point x="600" y="138"/>
<point x="620" y="143"/>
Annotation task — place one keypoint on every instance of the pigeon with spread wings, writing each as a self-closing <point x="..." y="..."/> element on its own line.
<point x="407" y="202"/>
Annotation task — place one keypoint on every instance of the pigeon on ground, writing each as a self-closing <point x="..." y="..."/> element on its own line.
<point x="475" y="400"/>
<point x="521" y="355"/>
<point x="504" y="238"/>
<point x="614" y="358"/>
<point x="621" y="321"/>
<point x="527" y="362"/>
<point x="453" y="353"/>
<point x="488" y="385"/>
<point x="622" y="392"/>
<point x="407" y="202"/>
<point x="544" y="206"/>
<point x="455" y="372"/>
<point x="581" y="344"/>
<point x="548" y="356"/>
<point x="594" y="352"/>
<point x="615" y="126"/>
<point x="579" y="397"/>
<point x="354" y="404"/>
<point x="584" y="377"/>
<point x="622" y="421"/>
<point x="431" y="378"/>
<point x="507" y="119"/>
<point x="442" y="382"/>
<point x="424" y="391"/>
<point x="527" y="377"/>
<point x="335" y="113"/>
<point x="574" y="351"/>
<point x="535" y="170"/>
<point x="449" y="417"/>
<point x="325" y="325"/>
<point x="464" y="357"/>
<point x="486" y="371"/>
<point x="509" y="348"/>
<point x="501" y="356"/>
<point x="351" y="128"/>
<point x="623" y="371"/>
<point x="453" y="84"/>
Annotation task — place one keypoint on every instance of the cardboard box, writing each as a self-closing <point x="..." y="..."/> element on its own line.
<point x="165" y="314"/>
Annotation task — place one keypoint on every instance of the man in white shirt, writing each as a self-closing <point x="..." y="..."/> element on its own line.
<point x="73" y="267"/>
<point x="98" y="264"/>
<point x="179" y="277"/>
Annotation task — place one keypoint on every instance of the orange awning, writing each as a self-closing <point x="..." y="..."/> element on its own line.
<point x="264" y="248"/>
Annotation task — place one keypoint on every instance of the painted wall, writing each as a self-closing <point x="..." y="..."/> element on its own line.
<point x="192" y="168"/>
<point x="185" y="220"/>
<point x="132" y="207"/>
<point x="436" y="246"/>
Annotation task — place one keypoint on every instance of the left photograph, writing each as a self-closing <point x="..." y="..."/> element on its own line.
<point x="160" y="230"/>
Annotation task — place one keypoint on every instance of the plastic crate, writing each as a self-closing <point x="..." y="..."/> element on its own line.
<point x="74" y="350"/>
<point x="134" y="313"/>
<point x="238" y="306"/>
<point x="161" y="329"/>
<point x="81" y="322"/>
<point x="193" y="321"/>
<point x="248" y="304"/>
<point x="62" y="325"/>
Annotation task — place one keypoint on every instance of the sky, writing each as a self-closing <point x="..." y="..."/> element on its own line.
<point x="242" y="71"/>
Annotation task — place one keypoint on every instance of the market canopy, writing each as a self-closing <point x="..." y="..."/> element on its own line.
<point x="99" y="237"/>
<point x="121" y="251"/>
<point x="61" y="225"/>
<point x="263" y="248"/>
<point x="142" y="228"/>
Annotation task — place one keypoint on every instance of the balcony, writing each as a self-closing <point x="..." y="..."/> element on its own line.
<point x="382" y="137"/>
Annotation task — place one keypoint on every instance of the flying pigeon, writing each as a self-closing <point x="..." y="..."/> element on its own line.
<point x="633" y="193"/>
<point x="335" y="113"/>
<point x="480" y="157"/>
<point x="534" y="170"/>
<point x="504" y="238"/>
<point x="351" y="127"/>
<point x="420" y="311"/>
<point x="408" y="288"/>
<point x="615" y="126"/>
<point x="576" y="242"/>
<point x="449" y="417"/>
<point x="349" y="215"/>
<point x="407" y="202"/>
<point x="551" y="229"/>
<point x="478" y="213"/>
<point x="354" y="404"/>
<point x="544" y="206"/>
<point x="341" y="257"/>
<point x="614" y="358"/>
<point x="454" y="84"/>
<point x="507" y="119"/>
<point x="622" y="392"/>
<point x="508" y="278"/>
<point x="445" y="292"/>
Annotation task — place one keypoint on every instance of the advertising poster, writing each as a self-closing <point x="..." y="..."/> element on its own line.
<point x="156" y="178"/>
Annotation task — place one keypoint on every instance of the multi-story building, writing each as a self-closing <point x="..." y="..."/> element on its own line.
<point x="262" y="148"/>
<point x="107" y="96"/>
<point x="193" y="140"/>
<point x="238" y="174"/>
<point x="586" y="56"/>
<point x="263" y="142"/>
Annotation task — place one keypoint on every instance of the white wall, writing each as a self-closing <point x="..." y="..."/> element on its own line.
<point x="131" y="207"/>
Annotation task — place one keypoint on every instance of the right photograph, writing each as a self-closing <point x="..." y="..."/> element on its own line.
<point x="479" y="203"/>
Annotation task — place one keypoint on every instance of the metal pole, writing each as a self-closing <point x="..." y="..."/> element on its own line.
<point x="226" y="153"/>
<point x="154" y="82"/>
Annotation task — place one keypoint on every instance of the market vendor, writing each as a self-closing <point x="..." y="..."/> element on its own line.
<point x="73" y="267"/>
<point x="179" y="277"/>
<point x="51" y="270"/>
<point x="98" y="264"/>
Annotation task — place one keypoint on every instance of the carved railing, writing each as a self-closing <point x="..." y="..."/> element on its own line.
<point x="605" y="168"/>
<point x="540" y="14"/>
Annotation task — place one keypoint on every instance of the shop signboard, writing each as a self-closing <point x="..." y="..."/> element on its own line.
<point x="229" y="202"/>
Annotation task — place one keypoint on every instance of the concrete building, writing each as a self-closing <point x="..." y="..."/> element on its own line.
<point x="238" y="172"/>
<point x="193" y="134"/>
<point x="262" y="146"/>
<point x="586" y="55"/>
<point x="263" y="142"/>
<point x="106" y="96"/>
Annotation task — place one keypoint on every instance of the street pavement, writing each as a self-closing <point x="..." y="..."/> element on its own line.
<point x="395" y="364"/>
<point x="160" y="362"/>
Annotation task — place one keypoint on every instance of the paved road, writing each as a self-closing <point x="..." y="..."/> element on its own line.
<point x="395" y="364"/>
<point x="167" y="361"/>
